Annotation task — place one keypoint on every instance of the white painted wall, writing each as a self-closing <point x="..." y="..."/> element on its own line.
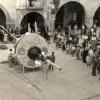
<point x="90" y="6"/>
<point x="9" y="6"/>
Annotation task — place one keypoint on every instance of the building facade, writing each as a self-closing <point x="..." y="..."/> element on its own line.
<point x="49" y="12"/>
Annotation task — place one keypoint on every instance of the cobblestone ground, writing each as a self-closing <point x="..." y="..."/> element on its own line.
<point x="74" y="82"/>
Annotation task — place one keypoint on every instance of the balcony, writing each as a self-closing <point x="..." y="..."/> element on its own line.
<point x="29" y="4"/>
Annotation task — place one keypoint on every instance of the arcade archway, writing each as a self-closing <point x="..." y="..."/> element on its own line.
<point x="31" y="18"/>
<point x="96" y="18"/>
<point x="70" y="13"/>
<point x="2" y="18"/>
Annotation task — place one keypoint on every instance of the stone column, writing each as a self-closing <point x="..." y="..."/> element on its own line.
<point x="19" y="17"/>
<point x="46" y="11"/>
<point x="9" y="22"/>
<point x="65" y="18"/>
<point x="89" y="21"/>
<point x="52" y="23"/>
<point x="45" y="16"/>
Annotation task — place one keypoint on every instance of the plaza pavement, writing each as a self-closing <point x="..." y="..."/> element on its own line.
<point x="74" y="82"/>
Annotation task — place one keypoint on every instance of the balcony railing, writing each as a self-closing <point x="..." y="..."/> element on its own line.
<point x="29" y="4"/>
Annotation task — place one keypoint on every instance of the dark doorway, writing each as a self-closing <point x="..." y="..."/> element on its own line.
<point x="2" y="18"/>
<point x="31" y="18"/>
<point x="97" y="17"/>
<point x="70" y="13"/>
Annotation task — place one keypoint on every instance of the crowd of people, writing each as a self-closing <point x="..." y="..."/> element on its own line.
<point x="5" y="36"/>
<point x="80" y="43"/>
<point x="18" y="31"/>
<point x="84" y="45"/>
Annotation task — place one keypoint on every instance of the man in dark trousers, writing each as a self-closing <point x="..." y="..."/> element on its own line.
<point x="66" y="31"/>
<point x="52" y="58"/>
<point x="59" y="29"/>
<point x="85" y="53"/>
<point x="94" y="65"/>
<point x="0" y="35"/>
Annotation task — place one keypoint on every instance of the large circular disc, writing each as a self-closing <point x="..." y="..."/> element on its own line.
<point x="28" y="48"/>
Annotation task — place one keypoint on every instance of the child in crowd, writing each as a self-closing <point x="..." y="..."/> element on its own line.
<point x="78" y="52"/>
<point x="49" y="36"/>
<point x="63" y="46"/>
<point x="88" y="60"/>
<point x="73" y="50"/>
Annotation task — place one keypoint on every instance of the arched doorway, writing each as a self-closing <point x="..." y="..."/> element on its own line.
<point x="96" y="18"/>
<point x="2" y="18"/>
<point x="31" y="18"/>
<point x="70" y="13"/>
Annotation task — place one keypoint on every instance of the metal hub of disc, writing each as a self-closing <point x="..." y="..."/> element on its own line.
<point x="34" y="52"/>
